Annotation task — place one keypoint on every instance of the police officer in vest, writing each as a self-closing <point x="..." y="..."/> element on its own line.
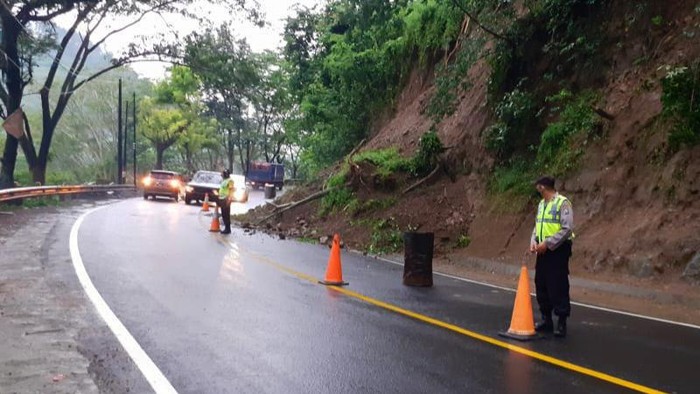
<point x="551" y="240"/>
<point x="224" y="201"/>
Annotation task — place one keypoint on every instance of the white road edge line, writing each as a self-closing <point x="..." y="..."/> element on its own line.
<point x="148" y="368"/>
<point x="600" y="308"/>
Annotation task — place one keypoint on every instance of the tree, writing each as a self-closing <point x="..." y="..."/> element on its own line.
<point x="85" y="140"/>
<point x="198" y="135"/>
<point x="174" y="115"/>
<point x="89" y="16"/>
<point x="227" y="69"/>
<point x="162" y="127"/>
<point x="272" y="103"/>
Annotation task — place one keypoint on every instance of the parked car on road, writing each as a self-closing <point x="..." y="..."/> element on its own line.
<point x="208" y="182"/>
<point x="203" y="183"/>
<point x="162" y="183"/>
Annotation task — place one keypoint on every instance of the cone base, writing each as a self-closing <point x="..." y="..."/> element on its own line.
<point x="331" y="283"/>
<point x="519" y="337"/>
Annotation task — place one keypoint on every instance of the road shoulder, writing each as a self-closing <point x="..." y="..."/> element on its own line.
<point x="52" y="339"/>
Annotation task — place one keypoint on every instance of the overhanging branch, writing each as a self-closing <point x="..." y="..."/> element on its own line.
<point x="492" y="32"/>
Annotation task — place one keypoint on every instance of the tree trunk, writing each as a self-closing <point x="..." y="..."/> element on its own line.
<point x="241" y="156"/>
<point x="229" y="145"/>
<point x="39" y="174"/>
<point x="10" y="34"/>
<point x="159" y="157"/>
<point x="39" y="169"/>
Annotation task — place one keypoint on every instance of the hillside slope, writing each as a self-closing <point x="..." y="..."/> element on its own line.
<point x="637" y="202"/>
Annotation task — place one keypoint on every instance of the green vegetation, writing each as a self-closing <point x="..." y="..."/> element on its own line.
<point x="37" y="202"/>
<point x="427" y="156"/>
<point x="463" y="241"/>
<point x="338" y="198"/>
<point x="349" y="60"/>
<point x="516" y="115"/>
<point x="516" y="178"/>
<point x="563" y="142"/>
<point x="387" y="161"/>
<point x="452" y="78"/>
<point x="536" y="132"/>
<point x="680" y="99"/>
<point x="386" y="237"/>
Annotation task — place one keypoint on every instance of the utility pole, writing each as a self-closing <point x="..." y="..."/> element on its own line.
<point x="119" y="134"/>
<point x="134" y="139"/>
<point x="125" y="151"/>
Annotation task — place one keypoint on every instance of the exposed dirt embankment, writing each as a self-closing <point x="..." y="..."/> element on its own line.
<point x="637" y="206"/>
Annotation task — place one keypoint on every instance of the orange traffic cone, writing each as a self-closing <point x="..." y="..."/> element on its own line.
<point x="522" y="324"/>
<point x="205" y="205"/>
<point x="215" y="226"/>
<point x="334" y="272"/>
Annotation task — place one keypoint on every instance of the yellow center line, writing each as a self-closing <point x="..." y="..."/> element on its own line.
<point x="438" y="323"/>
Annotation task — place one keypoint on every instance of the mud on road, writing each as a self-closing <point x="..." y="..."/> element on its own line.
<point x="52" y="339"/>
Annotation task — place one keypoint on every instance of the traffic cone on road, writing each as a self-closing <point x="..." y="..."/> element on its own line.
<point x="205" y="205"/>
<point x="215" y="226"/>
<point x="522" y="324"/>
<point x="334" y="272"/>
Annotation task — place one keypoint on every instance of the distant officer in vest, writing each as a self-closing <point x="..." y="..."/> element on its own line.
<point x="225" y="198"/>
<point x="551" y="240"/>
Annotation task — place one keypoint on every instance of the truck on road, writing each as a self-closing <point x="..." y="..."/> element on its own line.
<point x="260" y="173"/>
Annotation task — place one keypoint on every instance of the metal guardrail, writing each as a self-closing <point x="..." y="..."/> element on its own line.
<point x="46" y="191"/>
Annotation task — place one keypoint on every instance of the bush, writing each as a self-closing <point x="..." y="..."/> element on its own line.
<point x="387" y="161"/>
<point x="515" y="179"/>
<point x="50" y="201"/>
<point x="558" y="152"/>
<point x="516" y="115"/>
<point x="463" y="241"/>
<point x="680" y="99"/>
<point x="453" y="78"/>
<point x="386" y="237"/>
<point x="429" y="149"/>
<point x="336" y="199"/>
<point x="338" y="180"/>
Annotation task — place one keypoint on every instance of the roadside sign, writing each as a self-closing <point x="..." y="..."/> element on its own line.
<point x="14" y="124"/>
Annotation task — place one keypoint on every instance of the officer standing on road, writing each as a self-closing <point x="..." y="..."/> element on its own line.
<point x="551" y="240"/>
<point x="224" y="201"/>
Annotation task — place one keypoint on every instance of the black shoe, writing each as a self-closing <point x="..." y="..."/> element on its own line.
<point x="226" y="231"/>
<point x="546" y="325"/>
<point x="560" y="331"/>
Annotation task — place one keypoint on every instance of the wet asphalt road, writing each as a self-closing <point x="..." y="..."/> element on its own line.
<point x="217" y="314"/>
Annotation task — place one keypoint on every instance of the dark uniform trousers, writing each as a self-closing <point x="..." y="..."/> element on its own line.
<point x="552" y="281"/>
<point x="225" y="205"/>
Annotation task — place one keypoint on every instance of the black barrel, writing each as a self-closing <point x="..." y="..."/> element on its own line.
<point x="270" y="191"/>
<point x="418" y="259"/>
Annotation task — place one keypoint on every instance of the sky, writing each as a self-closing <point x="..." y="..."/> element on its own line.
<point x="268" y="37"/>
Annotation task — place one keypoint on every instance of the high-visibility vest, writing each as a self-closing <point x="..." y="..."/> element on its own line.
<point x="548" y="217"/>
<point x="225" y="187"/>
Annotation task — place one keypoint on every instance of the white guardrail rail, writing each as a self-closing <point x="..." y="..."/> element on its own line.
<point x="19" y="193"/>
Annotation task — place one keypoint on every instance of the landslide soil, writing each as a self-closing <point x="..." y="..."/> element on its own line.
<point x="637" y="206"/>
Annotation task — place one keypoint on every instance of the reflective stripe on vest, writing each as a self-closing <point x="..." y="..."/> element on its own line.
<point x="548" y="217"/>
